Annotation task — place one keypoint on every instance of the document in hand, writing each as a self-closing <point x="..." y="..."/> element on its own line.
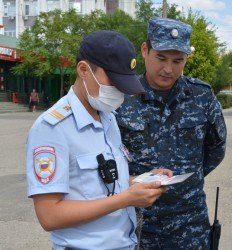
<point x="164" y="179"/>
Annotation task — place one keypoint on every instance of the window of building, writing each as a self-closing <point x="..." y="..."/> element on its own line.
<point x="9" y="9"/>
<point x="27" y="8"/>
<point x="53" y="4"/>
<point x="11" y="33"/>
<point x="30" y="8"/>
<point x="111" y="6"/>
<point x="75" y="4"/>
<point x="5" y="9"/>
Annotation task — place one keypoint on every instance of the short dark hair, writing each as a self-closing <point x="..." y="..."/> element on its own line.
<point x="81" y="58"/>
<point x="148" y="42"/>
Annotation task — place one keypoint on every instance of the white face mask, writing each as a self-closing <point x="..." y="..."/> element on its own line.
<point x="109" y="99"/>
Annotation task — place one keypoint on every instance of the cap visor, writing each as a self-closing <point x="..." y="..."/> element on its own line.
<point x="171" y="46"/>
<point x="128" y="84"/>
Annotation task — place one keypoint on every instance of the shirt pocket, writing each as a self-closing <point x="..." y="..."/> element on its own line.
<point x="190" y="137"/>
<point x="91" y="185"/>
<point x="137" y="136"/>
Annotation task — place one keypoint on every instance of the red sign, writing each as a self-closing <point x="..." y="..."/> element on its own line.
<point x="9" y="54"/>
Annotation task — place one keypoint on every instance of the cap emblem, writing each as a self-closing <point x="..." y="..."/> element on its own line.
<point x="174" y="33"/>
<point x="133" y="64"/>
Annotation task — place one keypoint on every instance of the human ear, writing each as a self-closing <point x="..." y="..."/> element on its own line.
<point x="144" y="50"/>
<point x="82" y="69"/>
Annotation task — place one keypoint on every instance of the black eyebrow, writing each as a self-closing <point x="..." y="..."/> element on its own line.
<point x="160" y="55"/>
<point x="179" y="59"/>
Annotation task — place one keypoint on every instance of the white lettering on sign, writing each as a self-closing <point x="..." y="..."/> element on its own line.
<point x="6" y="51"/>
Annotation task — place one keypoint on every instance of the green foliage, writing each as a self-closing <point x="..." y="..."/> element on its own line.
<point x="46" y="42"/>
<point x="57" y="35"/>
<point x="223" y="76"/>
<point x="205" y="59"/>
<point x="225" y="100"/>
<point x="54" y="38"/>
<point x="144" y="10"/>
<point x="134" y="30"/>
<point x="173" y="12"/>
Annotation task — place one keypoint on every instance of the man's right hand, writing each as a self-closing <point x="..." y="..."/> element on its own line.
<point x="144" y="194"/>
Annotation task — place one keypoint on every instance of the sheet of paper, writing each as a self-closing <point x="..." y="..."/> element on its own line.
<point x="164" y="179"/>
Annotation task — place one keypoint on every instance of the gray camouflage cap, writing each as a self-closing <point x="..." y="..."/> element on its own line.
<point x="169" y="34"/>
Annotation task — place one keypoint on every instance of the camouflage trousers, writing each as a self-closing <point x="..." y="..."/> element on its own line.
<point x="188" y="237"/>
<point x="175" y="241"/>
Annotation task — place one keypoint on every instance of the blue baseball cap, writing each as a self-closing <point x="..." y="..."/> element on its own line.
<point x="116" y="55"/>
<point x="169" y="34"/>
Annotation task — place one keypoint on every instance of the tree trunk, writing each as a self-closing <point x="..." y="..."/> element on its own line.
<point x="61" y="84"/>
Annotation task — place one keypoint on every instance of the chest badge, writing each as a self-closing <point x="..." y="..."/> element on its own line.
<point x="126" y="153"/>
<point x="44" y="163"/>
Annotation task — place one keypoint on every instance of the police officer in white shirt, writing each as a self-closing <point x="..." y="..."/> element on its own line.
<point x="77" y="171"/>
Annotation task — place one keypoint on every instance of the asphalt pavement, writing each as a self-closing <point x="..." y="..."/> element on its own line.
<point x="19" y="228"/>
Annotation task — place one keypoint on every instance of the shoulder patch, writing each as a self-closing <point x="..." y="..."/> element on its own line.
<point x="58" y="114"/>
<point x="44" y="163"/>
<point x="198" y="82"/>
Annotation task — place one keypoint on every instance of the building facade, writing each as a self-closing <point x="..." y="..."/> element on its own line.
<point x="16" y="15"/>
<point x="8" y="58"/>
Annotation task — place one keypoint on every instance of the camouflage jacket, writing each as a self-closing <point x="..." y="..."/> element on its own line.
<point x="185" y="134"/>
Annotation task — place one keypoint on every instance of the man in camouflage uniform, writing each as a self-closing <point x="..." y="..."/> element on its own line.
<point x="178" y="124"/>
